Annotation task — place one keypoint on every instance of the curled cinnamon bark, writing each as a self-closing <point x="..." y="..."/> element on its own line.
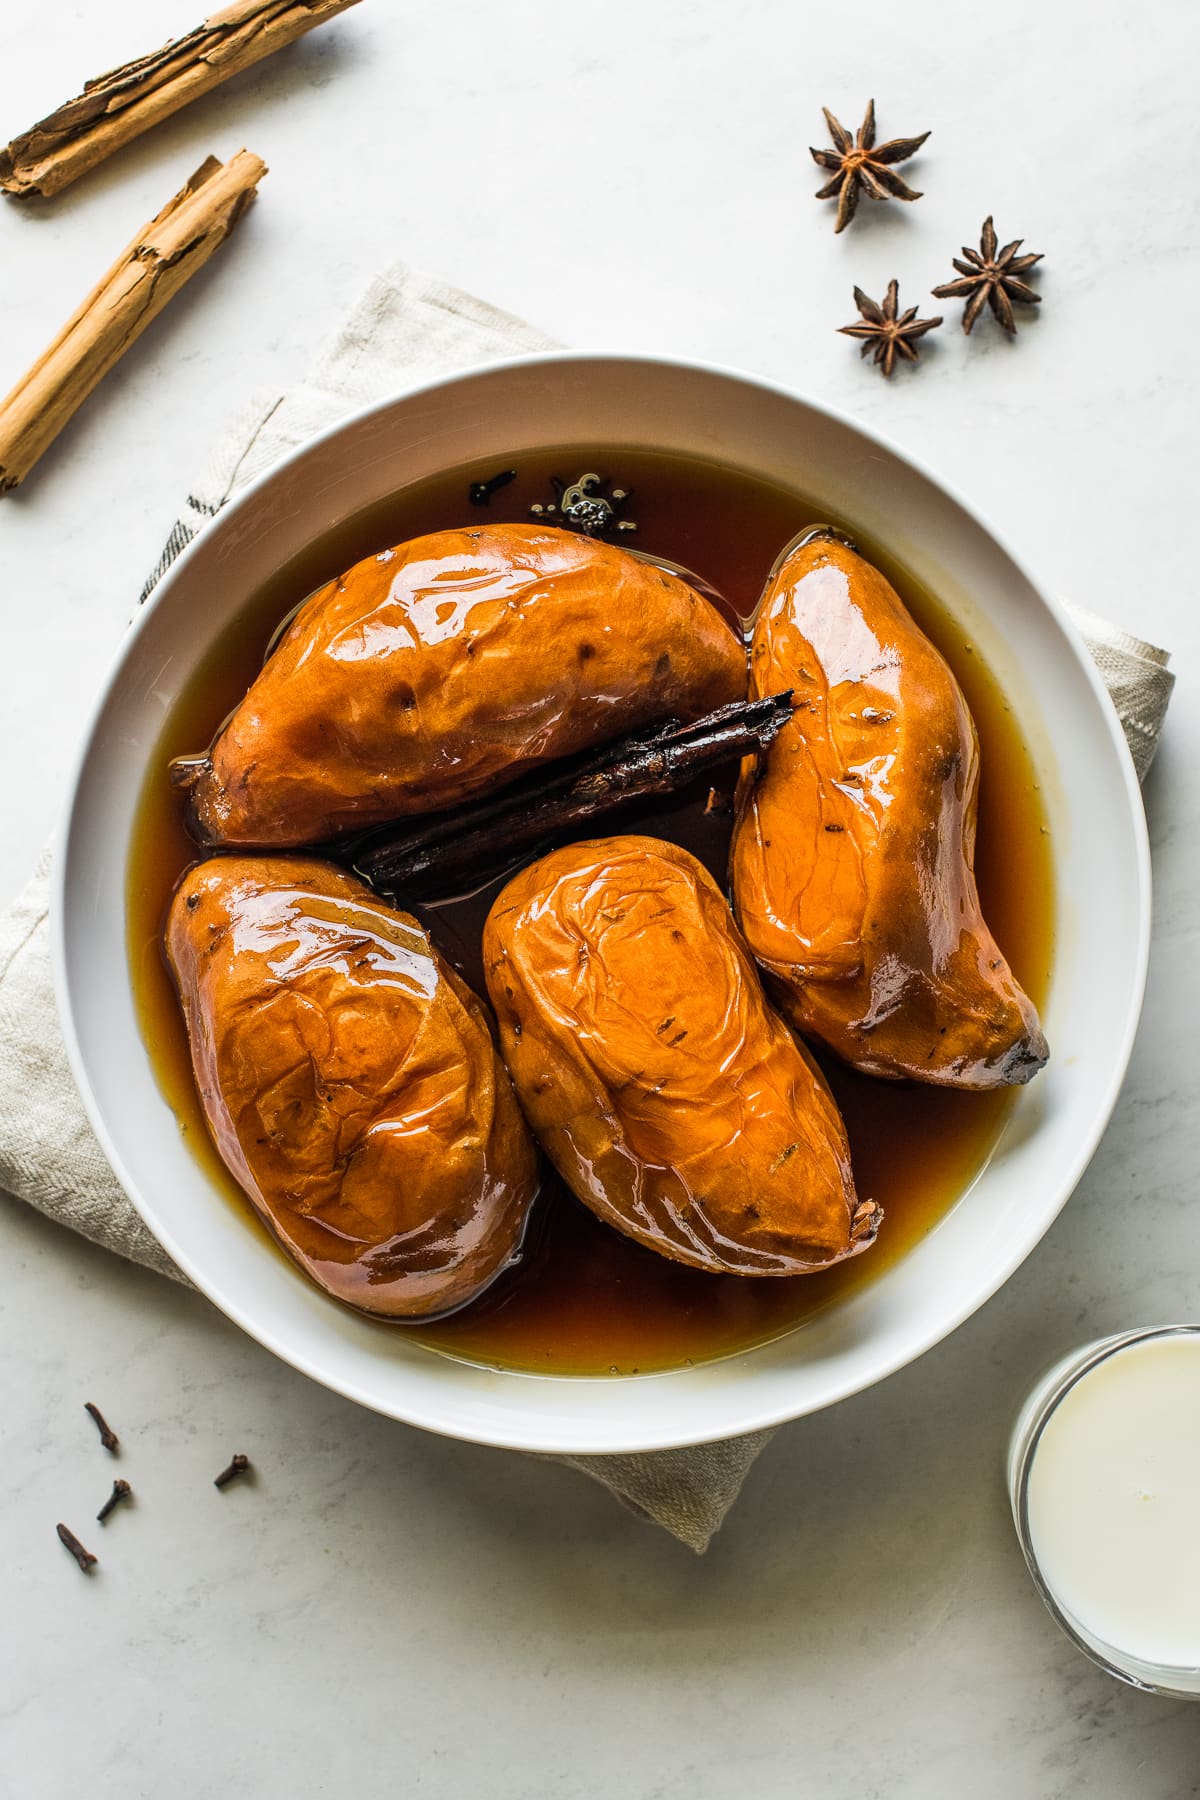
<point x="118" y="106"/>
<point x="163" y="256"/>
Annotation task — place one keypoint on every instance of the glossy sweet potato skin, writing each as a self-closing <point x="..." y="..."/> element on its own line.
<point x="350" y="1083"/>
<point x="669" y="1096"/>
<point x="853" y="853"/>
<point x="447" y="666"/>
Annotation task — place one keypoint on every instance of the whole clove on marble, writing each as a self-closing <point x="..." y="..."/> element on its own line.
<point x="121" y="1490"/>
<point x="480" y="492"/>
<point x="69" y="1541"/>
<point x="108" y="1436"/>
<point x="238" y="1466"/>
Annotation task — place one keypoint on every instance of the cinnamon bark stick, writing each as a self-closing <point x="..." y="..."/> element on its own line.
<point x="118" y="106"/>
<point x="468" y="845"/>
<point x="162" y="257"/>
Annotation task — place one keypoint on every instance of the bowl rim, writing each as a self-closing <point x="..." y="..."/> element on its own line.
<point x="767" y="1416"/>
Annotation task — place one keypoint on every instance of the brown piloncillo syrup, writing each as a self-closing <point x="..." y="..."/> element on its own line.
<point x="584" y="1300"/>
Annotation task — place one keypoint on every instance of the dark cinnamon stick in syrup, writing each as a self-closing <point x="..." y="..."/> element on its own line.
<point x="464" y="847"/>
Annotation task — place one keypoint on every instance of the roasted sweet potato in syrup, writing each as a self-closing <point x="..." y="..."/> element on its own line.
<point x="670" y="1097"/>
<point x="445" y="667"/>
<point x="853" y="854"/>
<point x="351" y="1084"/>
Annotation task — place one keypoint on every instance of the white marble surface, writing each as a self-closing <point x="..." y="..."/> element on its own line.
<point x="384" y="1612"/>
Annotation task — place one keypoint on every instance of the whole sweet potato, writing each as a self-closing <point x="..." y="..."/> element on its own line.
<point x="447" y="666"/>
<point x="853" y="855"/>
<point x="350" y="1082"/>
<point x="670" y="1097"/>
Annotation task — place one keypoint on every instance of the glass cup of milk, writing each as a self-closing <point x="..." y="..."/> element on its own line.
<point x="1104" y="1479"/>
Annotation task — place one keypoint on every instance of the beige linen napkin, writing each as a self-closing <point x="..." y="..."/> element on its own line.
<point x="406" y="326"/>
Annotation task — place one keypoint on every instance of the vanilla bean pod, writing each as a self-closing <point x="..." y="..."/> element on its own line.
<point x="479" y="493"/>
<point x="468" y="844"/>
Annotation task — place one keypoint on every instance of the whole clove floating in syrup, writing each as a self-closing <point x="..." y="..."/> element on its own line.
<point x="479" y="493"/>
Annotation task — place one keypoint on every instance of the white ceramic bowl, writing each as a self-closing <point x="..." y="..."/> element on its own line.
<point x="491" y="415"/>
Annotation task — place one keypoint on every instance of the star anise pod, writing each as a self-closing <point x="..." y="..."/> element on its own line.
<point x="892" y="336"/>
<point x="859" y="163"/>
<point x="991" y="276"/>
